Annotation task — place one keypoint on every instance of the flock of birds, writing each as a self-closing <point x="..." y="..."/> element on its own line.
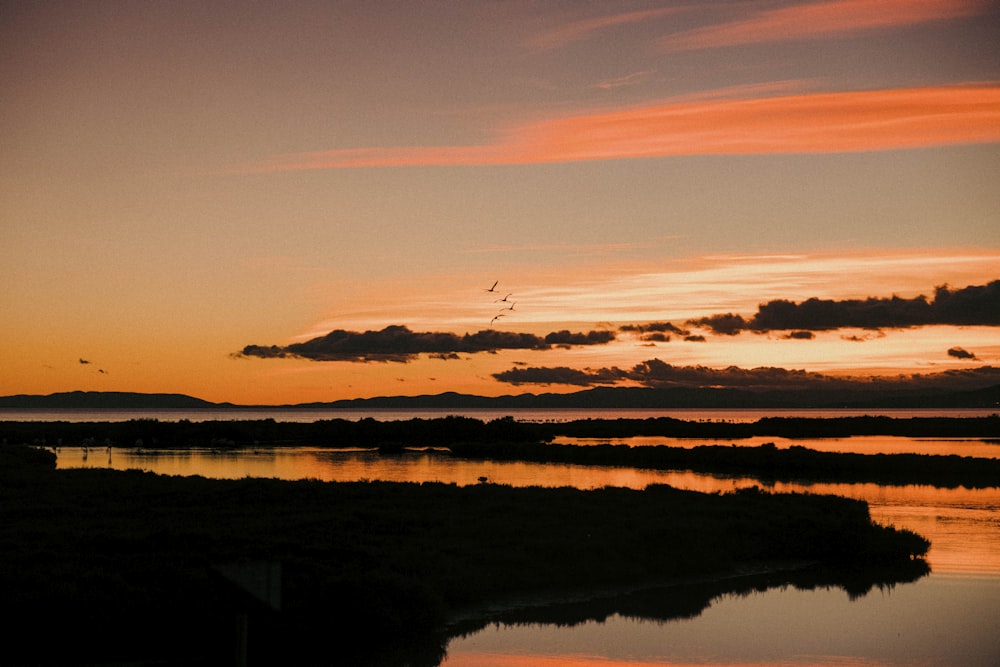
<point x="505" y="299"/>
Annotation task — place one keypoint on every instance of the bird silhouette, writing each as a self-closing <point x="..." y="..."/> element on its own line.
<point x="495" y="318"/>
<point x="493" y="288"/>
<point x="503" y="299"/>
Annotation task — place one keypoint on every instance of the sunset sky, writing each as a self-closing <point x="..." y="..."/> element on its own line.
<point x="193" y="195"/>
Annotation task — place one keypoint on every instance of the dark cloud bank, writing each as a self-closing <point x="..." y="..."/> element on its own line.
<point x="400" y="344"/>
<point x="657" y="374"/>
<point x="973" y="305"/>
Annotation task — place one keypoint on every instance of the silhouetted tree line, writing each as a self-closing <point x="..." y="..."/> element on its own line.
<point x="268" y="432"/>
<point x="779" y="427"/>
<point x="445" y="431"/>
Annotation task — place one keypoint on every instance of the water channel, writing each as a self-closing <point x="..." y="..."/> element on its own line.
<point x="950" y="617"/>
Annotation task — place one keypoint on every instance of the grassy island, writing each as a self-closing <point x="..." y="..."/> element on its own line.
<point x="131" y="566"/>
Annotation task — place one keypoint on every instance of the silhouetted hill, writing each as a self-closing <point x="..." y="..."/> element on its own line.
<point x="596" y="398"/>
<point x="105" y="400"/>
<point x="680" y="397"/>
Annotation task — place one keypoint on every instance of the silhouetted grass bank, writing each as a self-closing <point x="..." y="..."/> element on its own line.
<point x="765" y="462"/>
<point x="783" y="427"/>
<point x="124" y="565"/>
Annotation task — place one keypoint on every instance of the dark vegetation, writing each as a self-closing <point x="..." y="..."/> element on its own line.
<point x="445" y="431"/>
<point x="785" y="427"/>
<point x="267" y="432"/>
<point x="124" y="566"/>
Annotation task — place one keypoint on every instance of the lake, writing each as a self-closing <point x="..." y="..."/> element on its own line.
<point x="947" y="618"/>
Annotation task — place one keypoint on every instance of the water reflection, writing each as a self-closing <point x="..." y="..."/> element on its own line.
<point x="938" y="621"/>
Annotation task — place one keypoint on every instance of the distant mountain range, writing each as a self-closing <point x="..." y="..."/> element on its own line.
<point x="597" y="398"/>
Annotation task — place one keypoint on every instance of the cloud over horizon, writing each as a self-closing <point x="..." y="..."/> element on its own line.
<point x="397" y="343"/>
<point x="977" y="305"/>
<point x="655" y="373"/>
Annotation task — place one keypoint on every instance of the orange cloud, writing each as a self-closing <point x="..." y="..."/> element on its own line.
<point x="822" y="19"/>
<point x="854" y="121"/>
<point x="810" y="123"/>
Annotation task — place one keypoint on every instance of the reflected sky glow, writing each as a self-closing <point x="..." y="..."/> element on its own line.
<point x="936" y="621"/>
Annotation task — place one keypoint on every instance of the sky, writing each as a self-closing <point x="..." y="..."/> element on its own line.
<point x="275" y="203"/>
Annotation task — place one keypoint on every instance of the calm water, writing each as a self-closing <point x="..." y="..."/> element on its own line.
<point x="948" y="618"/>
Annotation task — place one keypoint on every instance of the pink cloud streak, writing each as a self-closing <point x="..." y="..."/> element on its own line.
<point x="821" y="19"/>
<point x="859" y="121"/>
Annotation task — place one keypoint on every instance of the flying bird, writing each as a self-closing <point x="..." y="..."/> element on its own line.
<point x="84" y="361"/>
<point x="503" y="299"/>
<point x="495" y="318"/>
<point x="493" y="288"/>
<point x="511" y="306"/>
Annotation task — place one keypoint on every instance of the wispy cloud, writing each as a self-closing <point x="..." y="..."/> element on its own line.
<point x="820" y="20"/>
<point x="563" y="247"/>
<point x="627" y="80"/>
<point x="580" y="292"/>
<point x="584" y="29"/>
<point x="852" y="121"/>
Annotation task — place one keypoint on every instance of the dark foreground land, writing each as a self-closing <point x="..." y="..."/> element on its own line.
<point x="99" y="566"/>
